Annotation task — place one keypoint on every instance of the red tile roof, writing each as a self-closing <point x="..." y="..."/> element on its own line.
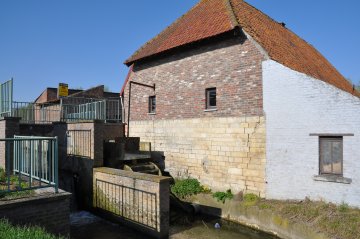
<point x="210" y="18"/>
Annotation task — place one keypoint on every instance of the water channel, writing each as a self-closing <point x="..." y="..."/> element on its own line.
<point x="85" y="225"/>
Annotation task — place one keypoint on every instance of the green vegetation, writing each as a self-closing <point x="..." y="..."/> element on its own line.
<point x="222" y="196"/>
<point x="2" y="175"/>
<point x="14" y="184"/>
<point x="250" y="199"/>
<point x="7" y="231"/>
<point x="186" y="187"/>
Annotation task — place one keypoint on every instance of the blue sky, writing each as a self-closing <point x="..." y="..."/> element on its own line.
<point x="85" y="42"/>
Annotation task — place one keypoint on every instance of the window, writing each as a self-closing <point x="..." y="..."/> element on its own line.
<point x="152" y="104"/>
<point x="331" y="155"/>
<point x="211" y="98"/>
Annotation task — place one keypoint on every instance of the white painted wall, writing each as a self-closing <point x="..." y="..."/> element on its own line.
<point x="295" y="106"/>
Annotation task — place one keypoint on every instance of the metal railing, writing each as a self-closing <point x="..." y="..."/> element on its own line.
<point x="69" y="110"/>
<point x="30" y="163"/>
<point x="131" y="204"/>
<point x="74" y="109"/>
<point x="79" y="143"/>
<point x="6" y="95"/>
<point x="36" y="113"/>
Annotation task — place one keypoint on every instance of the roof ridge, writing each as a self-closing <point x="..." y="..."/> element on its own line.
<point x="231" y="12"/>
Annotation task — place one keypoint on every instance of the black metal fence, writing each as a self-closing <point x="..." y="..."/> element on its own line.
<point x="131" y="204"/>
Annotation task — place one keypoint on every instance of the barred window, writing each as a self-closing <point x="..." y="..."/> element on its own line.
<point x="152" y="104"/>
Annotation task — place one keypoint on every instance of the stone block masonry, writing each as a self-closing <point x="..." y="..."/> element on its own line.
<point x="222" y="153"/>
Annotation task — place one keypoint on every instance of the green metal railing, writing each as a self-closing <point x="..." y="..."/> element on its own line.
<point x="30" y="163"/>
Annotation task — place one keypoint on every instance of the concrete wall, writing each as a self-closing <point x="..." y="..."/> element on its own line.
<point x="296" y="106"/>
<point x="223" y="153"/>
<point x="51" y="211"/>
<point x="140" y="200"/>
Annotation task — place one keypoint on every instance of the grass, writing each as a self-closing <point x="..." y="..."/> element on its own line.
<point x="340" y="221"/>
<point x="7" y="231"/>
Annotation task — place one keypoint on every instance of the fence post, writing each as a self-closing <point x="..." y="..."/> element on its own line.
<point x="56" y="166"/>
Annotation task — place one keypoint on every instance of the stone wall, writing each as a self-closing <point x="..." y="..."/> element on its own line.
<point x="51" y="211"/>
<point x="298" y="108"/>
<point x="140" y="200"/>
<point x="223" y="153"/>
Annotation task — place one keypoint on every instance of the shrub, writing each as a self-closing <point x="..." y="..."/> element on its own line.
<point x="186" y="187"/>
<point x="222" y="196"/>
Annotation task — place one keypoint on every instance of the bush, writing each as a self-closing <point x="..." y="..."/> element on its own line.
<point x="222" y="196"/>
<point x="8" y="231"/>
<point x="186" y="187"/>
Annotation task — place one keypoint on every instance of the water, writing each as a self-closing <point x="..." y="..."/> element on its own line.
<point x="85" y="225"/>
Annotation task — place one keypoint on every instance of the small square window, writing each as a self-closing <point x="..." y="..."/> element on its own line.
<point x="152" y="104"/>
<point x="211" y="98"/>
<point x="331" y="155"/>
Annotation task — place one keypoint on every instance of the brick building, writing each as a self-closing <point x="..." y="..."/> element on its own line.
<point x="242" y="102"/>
<point x="48" y="106"/>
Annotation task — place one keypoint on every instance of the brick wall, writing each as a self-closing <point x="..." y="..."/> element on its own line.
<point x="296" y="106"/>
<point x="50" y="211"/>
<point x="140" y="200"/>
<point x="233" y="66"/>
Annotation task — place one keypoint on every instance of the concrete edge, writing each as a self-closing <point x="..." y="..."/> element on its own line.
<point x="134" y="175"/>
<point x="36" y="199"/>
